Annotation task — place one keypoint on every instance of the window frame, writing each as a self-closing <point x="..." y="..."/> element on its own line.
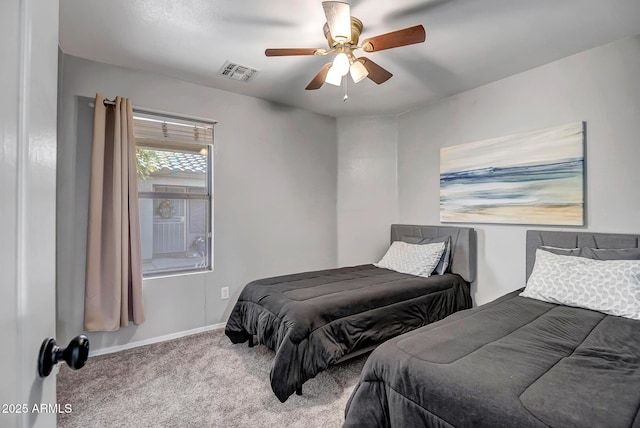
<point x="207" y="196"/>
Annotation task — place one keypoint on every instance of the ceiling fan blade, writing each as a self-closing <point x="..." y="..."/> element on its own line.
<point x="376" y="73"/>
<point x="395" y="39"/>
<point x="338" y="15"/>
<point x="318" y="81"/>
<point x="290" y="51"/>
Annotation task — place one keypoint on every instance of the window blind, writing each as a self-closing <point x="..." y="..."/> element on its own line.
<point x="159" y="133"/>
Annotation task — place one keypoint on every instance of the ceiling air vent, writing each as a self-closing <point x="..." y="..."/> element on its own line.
<point x="237" y="72"/>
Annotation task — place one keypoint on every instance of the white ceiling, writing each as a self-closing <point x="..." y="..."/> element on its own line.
<point x="469" y="43"/>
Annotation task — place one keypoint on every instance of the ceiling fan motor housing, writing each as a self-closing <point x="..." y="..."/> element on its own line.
<point x="356" y="30"/>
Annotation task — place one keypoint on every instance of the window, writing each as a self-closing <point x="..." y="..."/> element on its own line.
<point x="174" y="159"/>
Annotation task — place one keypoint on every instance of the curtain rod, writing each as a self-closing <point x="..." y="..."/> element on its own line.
<point x="166" y="114"/>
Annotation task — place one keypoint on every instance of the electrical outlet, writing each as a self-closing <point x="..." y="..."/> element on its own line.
<point x="224" y="293"/>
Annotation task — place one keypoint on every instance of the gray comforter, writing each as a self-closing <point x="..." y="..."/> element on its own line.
<point x="516" y="362"/>
<point x="313" y="319"/>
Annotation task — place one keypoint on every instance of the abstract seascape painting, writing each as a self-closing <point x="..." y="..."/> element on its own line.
<point x="535" y="177"/>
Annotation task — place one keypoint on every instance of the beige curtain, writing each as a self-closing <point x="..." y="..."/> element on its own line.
<point x="113" y="289"/>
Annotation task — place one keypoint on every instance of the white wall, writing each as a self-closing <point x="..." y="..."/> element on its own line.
<point x="599" y="86"/>
<point x="288" y="181"/>
<point x="367" y="187"/>
<point x="274" y="196"/>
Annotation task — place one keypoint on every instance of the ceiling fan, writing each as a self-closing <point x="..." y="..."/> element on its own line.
<point x="342" y="32"/>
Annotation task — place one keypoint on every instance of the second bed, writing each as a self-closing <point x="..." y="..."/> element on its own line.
<point x="519" y="361"/>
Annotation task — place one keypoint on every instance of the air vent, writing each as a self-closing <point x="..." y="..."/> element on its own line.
<point x="237" y="72"/>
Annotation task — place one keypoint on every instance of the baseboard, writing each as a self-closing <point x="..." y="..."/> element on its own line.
<point x="112" y="349"/>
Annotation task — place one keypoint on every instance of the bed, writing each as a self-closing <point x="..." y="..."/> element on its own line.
<point x="515" y="362"/>
<point x="313" y="320"/>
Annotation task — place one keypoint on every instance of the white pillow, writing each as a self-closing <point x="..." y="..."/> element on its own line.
<point x="413" y="259"/>
<point x="608" y="286"/>
<point x="443" y="264"/>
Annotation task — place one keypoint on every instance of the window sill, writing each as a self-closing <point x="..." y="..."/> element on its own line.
<point x="175" y="274"/>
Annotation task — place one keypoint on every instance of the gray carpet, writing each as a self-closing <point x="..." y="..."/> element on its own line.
<point x="198" y="381"/>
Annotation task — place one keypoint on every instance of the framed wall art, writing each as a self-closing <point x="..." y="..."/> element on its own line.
<point x="534" y="177"/>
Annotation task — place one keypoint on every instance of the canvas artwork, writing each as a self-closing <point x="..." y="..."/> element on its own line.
<point x="535" y="177"/>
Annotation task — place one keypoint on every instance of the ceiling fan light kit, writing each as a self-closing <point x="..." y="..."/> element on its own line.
<point x="334" y="77"/>
<point x="358" y="71"/>
<point x="341" y="64"/>
<point x="342" y="32"/>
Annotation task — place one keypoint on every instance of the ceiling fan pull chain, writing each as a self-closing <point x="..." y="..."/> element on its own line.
<point x="346" y="96"/>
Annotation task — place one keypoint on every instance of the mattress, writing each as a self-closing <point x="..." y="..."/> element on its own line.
<point x="313" y="319"/>
<point x="516" y="362"/>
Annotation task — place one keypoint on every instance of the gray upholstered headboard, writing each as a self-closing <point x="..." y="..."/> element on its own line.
<point x="538" y="238"/>
<point x="463" y="244"/>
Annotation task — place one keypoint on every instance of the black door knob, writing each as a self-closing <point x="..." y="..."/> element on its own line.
<point x="75" y="354"/>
